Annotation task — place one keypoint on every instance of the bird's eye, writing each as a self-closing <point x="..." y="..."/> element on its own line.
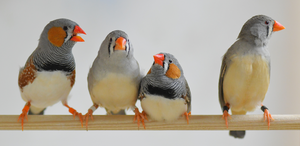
<point x="170" y="61"/>
<point x="65" y="28"/>
<point x="266" y="22"/>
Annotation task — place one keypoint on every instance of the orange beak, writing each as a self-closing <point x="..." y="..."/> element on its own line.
<point x="77" y="30"/>
<point x="277" y="26"/>
<point x="120" y="43"/>
<point x="159" y="59"/>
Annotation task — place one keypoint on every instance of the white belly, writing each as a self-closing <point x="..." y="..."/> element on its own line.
<point x="47" y="89"/>
<point x="162" y="109"/>
<point x="246" y="83"/>
<point x="115" y="92"/>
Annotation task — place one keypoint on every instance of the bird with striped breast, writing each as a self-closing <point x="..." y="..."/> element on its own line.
<point x="245" y="71"/>
<point x="164" y="91"/>
<point x="49" y="72"/>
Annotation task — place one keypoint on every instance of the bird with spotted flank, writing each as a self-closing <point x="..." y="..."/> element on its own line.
<point x="49" y="72"/>
<point x="164" y="92"/>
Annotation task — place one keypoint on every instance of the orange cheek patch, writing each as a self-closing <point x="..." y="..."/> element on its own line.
<point x="56" y="36"/>
<point x="173" y="72"/>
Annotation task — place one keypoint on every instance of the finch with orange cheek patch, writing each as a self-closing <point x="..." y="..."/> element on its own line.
<point x="164" y="91"/>
<point x="49" y="73"/>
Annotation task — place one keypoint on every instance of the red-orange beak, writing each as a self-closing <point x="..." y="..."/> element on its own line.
<point x="120" y="43"/>
<point x="159" y="59"/>
<point x="277" y="26"/>
<point x="77" y="30"/>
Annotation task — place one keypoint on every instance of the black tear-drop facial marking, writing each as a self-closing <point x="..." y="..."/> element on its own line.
<point x="128" y="44"/>
<point x="109" y="44"/>
<point x="167" y="93"/>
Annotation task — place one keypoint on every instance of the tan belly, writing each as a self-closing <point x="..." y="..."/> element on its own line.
<point x="115" y="92"/>
<point x="246" y="83"/>
<point x="47" y="89"/>
<point x="162" y="109"/>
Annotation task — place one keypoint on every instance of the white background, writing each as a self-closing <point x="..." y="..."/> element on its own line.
<point x="198" y="33"/>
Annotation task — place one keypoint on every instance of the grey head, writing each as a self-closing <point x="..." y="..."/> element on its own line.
<point x="116" y="46"/>
<point x="54" y="51"/>
<point x="259" y="29"/>
<point x="60" y="33"/>
<point x="165" y="64"/>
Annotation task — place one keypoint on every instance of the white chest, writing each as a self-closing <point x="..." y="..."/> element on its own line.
<point x="246" y="82"/>
<point x="115" y="92"/>
<point x="163" y="109"/>
<point x="47" y="89"/>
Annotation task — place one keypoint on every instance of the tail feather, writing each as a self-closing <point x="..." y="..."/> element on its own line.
<point x="121" y="112"/>
<point x="237" y="134"/>
<point x="36" y="113"/>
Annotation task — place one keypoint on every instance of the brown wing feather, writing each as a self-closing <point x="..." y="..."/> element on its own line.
<point x="27" y="74"/>
<point x="71" y="77"/>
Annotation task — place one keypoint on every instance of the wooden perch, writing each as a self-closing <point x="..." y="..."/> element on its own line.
<point x="108" y="122"/>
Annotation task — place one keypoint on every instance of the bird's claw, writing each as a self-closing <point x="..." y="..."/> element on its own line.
<point x="268" y="116"/>
<point x="86" y="117"/>
<point x="140" y="117"/>
<point x="225" y="116"/>
<point x="187" y="115"/>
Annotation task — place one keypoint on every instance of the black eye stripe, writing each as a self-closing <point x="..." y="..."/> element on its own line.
<point x="128" y="44"/>
<point x="110" y="40"/>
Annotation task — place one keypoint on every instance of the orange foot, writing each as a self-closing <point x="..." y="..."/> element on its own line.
<point x="75" y="113"/>
<point x="145" y="115"/>
<point x="140" y="117"/>
<point x="187" y="115"/>
<point x="24" y="114"/>
<point x="86" y="117"/>
<point x="225" y="116"/>
<point x="267" y="116"/>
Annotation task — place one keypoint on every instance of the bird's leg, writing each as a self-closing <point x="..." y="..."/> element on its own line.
<point x="24" y="113"/>
<point x="187" y="115"/>
<point x="139" y="117"/>
<point x="75" y="113"/>
<point x="267" y="115"/>
<point x="90" y="114"/>
<point x="226" y="114"/>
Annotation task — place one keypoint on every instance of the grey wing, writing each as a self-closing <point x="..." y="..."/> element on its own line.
<point x="189" y="96"/>
<point x="221" y="79"/>
<point x="141" y="89"/>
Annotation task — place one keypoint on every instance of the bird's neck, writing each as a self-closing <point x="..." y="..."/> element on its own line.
<point x="54" y="58"/>
<point x="255" y="41"/>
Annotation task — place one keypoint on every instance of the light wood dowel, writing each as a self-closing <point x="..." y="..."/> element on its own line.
<point x="109" y="122"/>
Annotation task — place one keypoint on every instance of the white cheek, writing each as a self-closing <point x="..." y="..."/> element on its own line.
<point x="270" y="30"/>
<point x="113" y="43"/>
<point x="69" y="35"/>
<point x="166" y="66"/>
